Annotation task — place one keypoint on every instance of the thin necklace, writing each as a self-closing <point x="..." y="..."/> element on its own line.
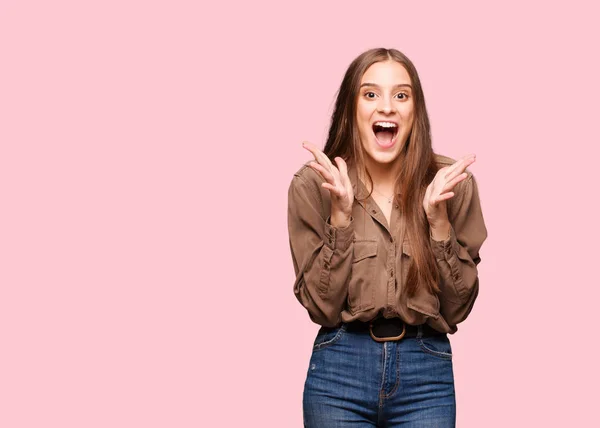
<point x="389" y="198"/>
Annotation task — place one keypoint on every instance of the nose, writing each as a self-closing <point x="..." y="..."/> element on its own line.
<point x="385" y="105"/>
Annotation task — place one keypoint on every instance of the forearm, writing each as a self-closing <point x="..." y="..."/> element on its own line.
<point x="322" y="284"/>
<point x="456" y="245"/>
<point x="459" y="283"/>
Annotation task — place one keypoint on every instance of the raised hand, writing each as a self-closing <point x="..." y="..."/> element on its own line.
<point x="439" y="190"/>
<point x="337" y="182"/>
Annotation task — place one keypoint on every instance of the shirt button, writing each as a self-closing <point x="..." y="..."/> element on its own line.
<point x="374" y="211"/>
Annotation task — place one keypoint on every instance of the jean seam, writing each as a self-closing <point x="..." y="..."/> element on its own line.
<point x="397" y="384"/>
<point x="439" y="354"/>
<point x="382" y="385"/>
<point x="331" y="341"/>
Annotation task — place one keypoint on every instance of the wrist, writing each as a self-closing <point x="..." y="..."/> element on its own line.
<point x="440" y="231"/>
<point x="340" y="220"/>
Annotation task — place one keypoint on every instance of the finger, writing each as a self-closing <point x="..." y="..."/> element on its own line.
<point x="312" y="149"/>
<point x="459" y="166"/>
<point x="450" y="185"/>
<point x="444" y="197"/>
<point x="318" y="154"/>
<point x="428" y="191"/>
<point x="333" y="189"/>
<point x="343" y="170"/>
<point x="467" y="157"/>
<point x="323" y="171"/>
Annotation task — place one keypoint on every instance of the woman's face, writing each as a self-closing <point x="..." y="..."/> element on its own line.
<point x="385" y="110"/>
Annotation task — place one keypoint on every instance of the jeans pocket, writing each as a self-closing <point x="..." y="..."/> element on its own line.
<point x="438" y="346"/>
<point x="328" y="336"/>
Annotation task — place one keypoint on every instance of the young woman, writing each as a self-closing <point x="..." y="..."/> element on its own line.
<point x="385" y="237"/>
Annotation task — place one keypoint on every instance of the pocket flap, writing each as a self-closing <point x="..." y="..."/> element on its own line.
<point x="406" y="248"/>
<point x="426" y="304"/>
<point x="364" y="249"/>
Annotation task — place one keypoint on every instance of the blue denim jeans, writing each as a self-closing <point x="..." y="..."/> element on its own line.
<point x="354" y="381"/>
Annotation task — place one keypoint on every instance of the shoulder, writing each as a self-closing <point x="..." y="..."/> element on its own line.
<point x="306" y="181"/>
<point x="307" y="177"/>
<point x="307" y="173"/>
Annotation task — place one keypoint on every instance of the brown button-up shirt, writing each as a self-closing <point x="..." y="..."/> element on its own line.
<point x="358" y="272"/>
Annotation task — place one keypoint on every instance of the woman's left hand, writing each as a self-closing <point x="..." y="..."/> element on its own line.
<point x="439" y="190"/>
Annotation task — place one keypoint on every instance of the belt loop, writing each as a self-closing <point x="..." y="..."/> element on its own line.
<point x="419" y="331"/>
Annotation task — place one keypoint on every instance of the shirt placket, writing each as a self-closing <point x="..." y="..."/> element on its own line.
<point x="391" y="271"/>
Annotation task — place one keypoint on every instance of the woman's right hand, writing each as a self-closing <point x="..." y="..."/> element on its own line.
<point x="337" y="182"/>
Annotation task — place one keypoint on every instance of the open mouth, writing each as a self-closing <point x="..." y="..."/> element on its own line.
<point x="385" y="133"/>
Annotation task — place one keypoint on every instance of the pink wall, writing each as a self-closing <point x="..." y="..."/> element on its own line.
<point x="146" y="151"/>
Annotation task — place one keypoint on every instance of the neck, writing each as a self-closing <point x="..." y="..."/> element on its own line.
<point x="383" y="175"/>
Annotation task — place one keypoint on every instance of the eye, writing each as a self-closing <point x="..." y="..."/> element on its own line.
<point x="370" y="94"/>
<point x="404" y="95"/>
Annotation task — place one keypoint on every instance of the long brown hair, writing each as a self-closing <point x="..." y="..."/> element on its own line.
<point x="418" y="162"/>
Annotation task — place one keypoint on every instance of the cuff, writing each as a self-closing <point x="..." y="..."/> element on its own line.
<point x="444" y="249"/>
<point x="339" y="238"/>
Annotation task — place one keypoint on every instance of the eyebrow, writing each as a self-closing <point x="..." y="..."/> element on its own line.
<point x="395" y="86"/>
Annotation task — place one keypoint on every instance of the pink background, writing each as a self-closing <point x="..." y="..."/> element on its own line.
<point x="146" y="152"/>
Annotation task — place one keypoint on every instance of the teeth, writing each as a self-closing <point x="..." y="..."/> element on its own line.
<point x="385" y="124"/>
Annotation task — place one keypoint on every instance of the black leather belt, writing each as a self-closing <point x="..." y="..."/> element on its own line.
<point x="389" y="329"/>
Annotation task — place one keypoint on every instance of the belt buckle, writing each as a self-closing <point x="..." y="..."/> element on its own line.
<point x="387" y="339"/>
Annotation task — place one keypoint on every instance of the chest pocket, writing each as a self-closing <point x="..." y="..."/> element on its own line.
<point x="361" y="289"/>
